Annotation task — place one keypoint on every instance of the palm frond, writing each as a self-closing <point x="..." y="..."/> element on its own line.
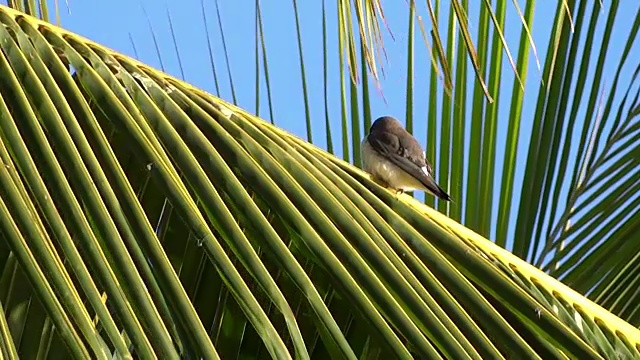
<point x="578" y="170"/>
<point x="186" y="227"/>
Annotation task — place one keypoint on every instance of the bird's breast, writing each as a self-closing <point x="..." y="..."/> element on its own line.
<point x="385" y="170"/>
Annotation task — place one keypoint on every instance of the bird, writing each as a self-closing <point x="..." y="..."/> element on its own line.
<point x="396" y="160"/>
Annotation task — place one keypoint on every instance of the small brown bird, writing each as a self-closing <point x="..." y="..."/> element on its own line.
<point x="396" y="159"/>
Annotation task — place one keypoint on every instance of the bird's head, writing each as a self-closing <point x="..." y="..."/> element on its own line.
<point x="385" y="123"/>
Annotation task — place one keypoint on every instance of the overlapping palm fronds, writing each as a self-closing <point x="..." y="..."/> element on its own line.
<point x="143" y="217"/>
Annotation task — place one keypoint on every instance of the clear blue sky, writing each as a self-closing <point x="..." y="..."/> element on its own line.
<point x="112" y="23"/>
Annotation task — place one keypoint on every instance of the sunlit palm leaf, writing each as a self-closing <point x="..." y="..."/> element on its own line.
<point x="604" y="205"/>
<point x="596" y="254"/>
<point x="267" y="246"/>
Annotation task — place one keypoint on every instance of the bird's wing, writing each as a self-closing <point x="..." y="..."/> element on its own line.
<point x="390" y="146"/>
<point x="399" y="153"/>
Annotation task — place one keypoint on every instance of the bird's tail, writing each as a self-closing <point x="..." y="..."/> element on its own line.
<point x="436" y="190"/>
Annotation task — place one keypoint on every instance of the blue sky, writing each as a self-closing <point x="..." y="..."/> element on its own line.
<point x="116" y="23"/>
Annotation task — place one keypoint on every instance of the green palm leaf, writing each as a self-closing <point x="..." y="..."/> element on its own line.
<point x="154" y="220"/>
<point x="575" y="216"/>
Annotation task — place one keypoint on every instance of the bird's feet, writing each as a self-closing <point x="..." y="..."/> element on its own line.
<point x="379" y="181"/>
<point x="386" y="185"/>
